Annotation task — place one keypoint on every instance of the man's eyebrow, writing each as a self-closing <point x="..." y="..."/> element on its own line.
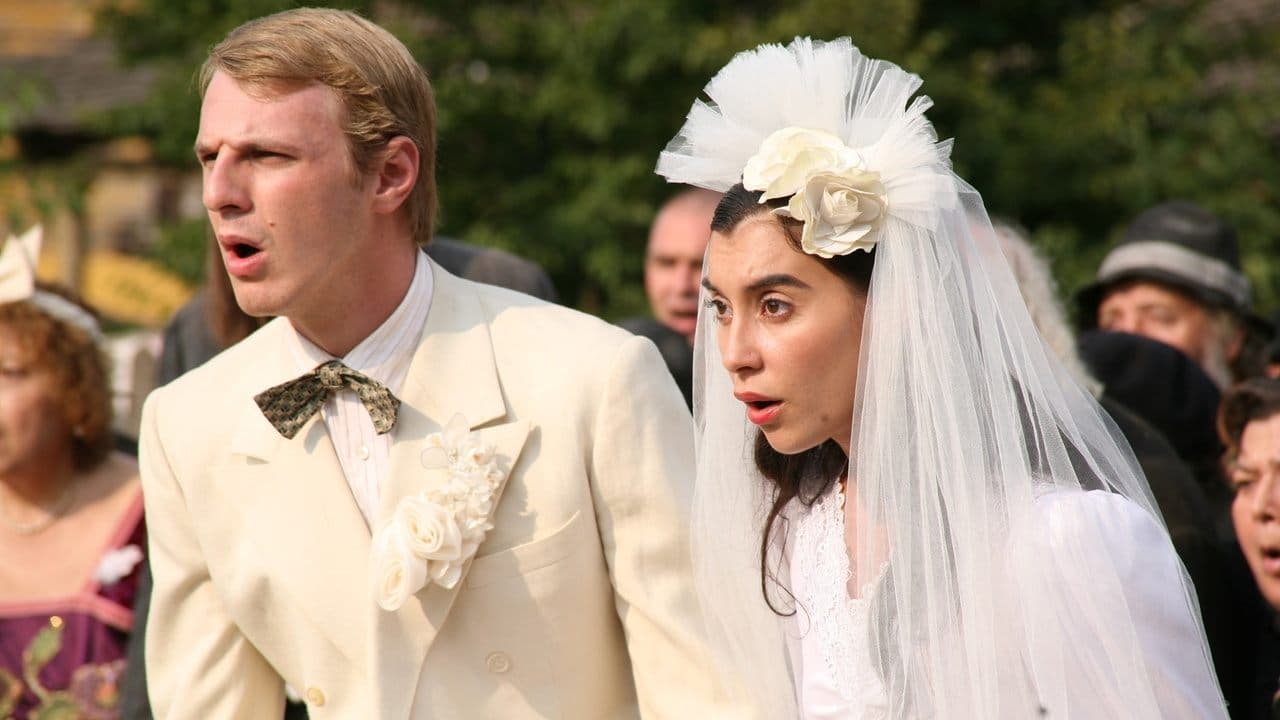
<point x="706" y="283"/>
<point x="251" y="146"/>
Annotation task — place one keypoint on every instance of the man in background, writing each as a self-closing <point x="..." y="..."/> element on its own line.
<point x="1175" y="277"/>
<point x="1168" y="326"/>
<point x="672" y="273"/>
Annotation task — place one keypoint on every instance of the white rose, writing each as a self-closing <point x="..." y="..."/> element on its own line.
<point x="397" y="574"/>
<point x="476" y="453"/>
<point x="479" y="503"/>
<point x="473" y="531"/>
<point x="446" y="574"/>
<point x="429" y="529"/>
<point x="788" y="157"/>
<point x="839" y="212"/>
<point x="494" y="475"/>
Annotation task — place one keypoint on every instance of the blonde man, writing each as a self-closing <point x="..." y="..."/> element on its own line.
<point x="291" y="483"/>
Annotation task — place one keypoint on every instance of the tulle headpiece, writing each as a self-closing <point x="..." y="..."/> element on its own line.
<point x="802" y="122"/>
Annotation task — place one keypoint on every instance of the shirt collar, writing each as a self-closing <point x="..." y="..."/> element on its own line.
<point x="388" y="347"/>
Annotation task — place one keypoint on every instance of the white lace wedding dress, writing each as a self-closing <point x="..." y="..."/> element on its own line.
<point x="828" y="637"/>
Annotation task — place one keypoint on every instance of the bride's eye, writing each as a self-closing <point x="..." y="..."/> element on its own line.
<point x="719" y="308"/>
<point x="773" y="307"/>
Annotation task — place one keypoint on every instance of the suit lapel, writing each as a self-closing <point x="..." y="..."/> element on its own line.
<point x="300" y="511"/>
<point x="452" y="372"/>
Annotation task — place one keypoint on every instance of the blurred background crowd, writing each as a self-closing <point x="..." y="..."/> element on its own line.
<point x="1132" y="146"/>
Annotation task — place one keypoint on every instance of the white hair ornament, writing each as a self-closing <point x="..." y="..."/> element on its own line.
<point x="802" y="122"/>
<point x="18" y="282"/>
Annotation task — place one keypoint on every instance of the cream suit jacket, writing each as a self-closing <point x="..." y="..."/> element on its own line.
<point x="577" y="605"/>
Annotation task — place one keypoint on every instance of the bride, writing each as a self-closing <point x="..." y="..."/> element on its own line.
<point x="929" y="518"/>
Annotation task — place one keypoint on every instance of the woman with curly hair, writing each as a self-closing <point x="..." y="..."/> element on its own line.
<point x="71" y="530"/>
<point x="1249" y="425"/>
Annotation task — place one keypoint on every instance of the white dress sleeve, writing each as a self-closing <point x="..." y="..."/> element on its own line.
<point x="1157" y="664"/>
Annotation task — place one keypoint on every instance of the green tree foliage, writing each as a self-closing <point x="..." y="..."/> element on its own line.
<point x="1070" y="117"/>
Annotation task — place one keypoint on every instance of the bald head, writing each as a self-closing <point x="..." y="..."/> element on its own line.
<point x="673" y="261"/>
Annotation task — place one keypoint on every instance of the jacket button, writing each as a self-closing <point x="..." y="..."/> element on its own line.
<point x="498" y="662"/>
<point x="315" y="696"/>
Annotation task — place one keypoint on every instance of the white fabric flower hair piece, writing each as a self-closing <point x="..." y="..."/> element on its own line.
<point x="839" y="200"/>
<point x="18" y="257"/>
<point x="827" y="127"/>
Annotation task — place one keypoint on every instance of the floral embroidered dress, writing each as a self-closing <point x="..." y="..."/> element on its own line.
<point x="63" y="658"/>
<point x="829" y="635"/>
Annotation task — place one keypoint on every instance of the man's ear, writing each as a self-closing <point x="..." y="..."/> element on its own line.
<point x="395" y="175"/>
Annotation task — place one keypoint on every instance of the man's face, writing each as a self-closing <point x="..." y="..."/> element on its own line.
<point x="1141" y="307"/>
<point x="291" y="220"/>
<point x="673" y="267"/>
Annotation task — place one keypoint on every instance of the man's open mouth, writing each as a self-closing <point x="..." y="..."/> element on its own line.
<point x="244" y="250"/>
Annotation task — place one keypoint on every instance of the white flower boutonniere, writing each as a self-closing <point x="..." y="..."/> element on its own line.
<point x="431" y="535"/>
<point x="840" y="201"/>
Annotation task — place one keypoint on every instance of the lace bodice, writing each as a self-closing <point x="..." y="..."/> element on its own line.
<point x="830" y="633"/>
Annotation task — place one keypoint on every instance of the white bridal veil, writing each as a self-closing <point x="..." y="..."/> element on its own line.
<point x="1027" y="570"/>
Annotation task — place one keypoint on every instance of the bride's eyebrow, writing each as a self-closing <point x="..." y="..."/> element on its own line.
<point x="765" y="283"/>
<point x="777" y="280"/>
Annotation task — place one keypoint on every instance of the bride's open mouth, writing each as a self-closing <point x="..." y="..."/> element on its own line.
<point x="1270" y="555"/>
<point x="761" y="410"/>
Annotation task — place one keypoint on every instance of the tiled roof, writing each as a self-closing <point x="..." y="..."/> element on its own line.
<point x="84" y="79"/>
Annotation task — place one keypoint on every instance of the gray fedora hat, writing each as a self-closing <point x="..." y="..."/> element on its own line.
<point x="1178" y="244"/>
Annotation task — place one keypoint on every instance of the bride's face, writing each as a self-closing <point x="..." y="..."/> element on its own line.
<point x="789" y="330"/>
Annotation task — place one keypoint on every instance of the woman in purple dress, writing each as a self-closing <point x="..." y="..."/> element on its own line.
<point x="71" y="531"/>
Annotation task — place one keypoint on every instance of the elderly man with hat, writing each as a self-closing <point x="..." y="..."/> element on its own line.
<point x="1175" y="277"/>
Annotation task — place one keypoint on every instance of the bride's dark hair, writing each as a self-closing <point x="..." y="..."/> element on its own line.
<point x="807" y="475"/>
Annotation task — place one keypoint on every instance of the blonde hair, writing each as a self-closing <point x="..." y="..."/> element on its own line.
<point x="383" y="91"/>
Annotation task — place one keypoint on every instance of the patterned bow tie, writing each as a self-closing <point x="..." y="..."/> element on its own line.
<point x="288" y="406"/>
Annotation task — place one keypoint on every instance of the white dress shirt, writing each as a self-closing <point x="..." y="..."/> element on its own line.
<point x="384" y="356"/>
